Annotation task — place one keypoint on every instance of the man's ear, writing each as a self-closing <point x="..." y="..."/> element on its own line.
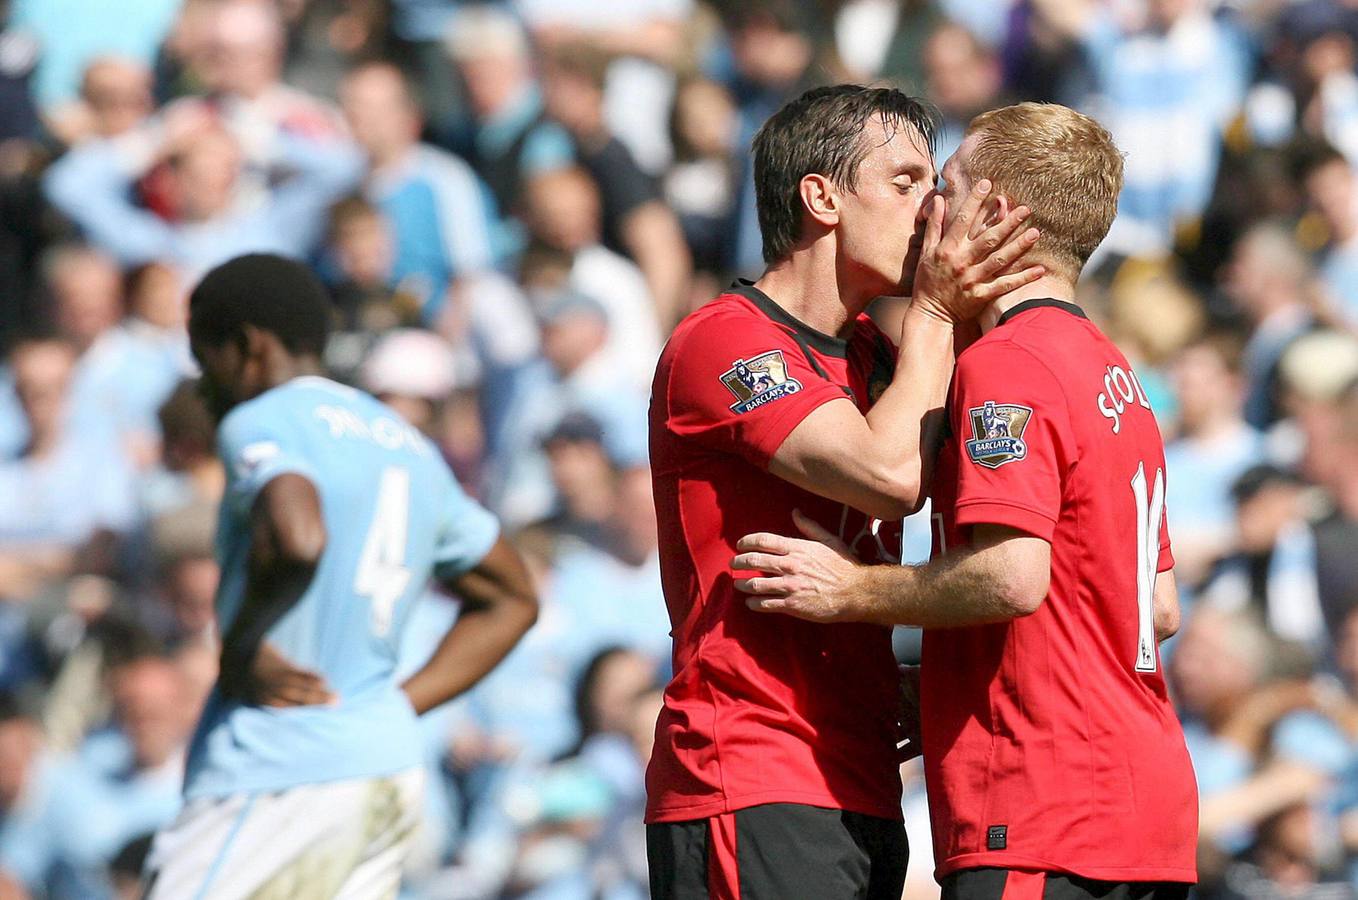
<point x="820" y="199"/>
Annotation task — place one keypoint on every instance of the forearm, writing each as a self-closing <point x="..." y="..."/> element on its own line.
<point x="481" y="637"/>
<point x="907" y="419"/>
<point x="272" y="589"/>
<point x="950" y="592"/>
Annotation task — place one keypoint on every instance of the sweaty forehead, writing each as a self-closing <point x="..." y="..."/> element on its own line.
<point x="896" y="148"/>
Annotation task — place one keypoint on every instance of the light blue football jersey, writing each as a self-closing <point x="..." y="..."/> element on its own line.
<point x="394" y="515"/>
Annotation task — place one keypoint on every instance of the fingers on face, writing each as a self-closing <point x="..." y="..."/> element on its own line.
<point x="970" y="207"/>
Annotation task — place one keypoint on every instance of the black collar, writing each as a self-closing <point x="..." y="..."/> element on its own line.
<point x="821" y="342"/>
<point x="1038" y="304"/>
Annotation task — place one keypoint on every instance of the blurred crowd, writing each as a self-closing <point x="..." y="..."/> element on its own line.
<point x="513" y="203"/>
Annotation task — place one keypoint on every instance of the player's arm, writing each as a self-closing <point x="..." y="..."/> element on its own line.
<point x="499" y="605"/>
<point x="882" y="464"/>
<point x="1165" y="602"/>
<point x="1003" y="575"/>
<point x="287" y="539"/>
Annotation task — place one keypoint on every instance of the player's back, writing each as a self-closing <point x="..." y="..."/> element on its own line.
<point x="1054" y="731"/>
<point x="389" y="504"/>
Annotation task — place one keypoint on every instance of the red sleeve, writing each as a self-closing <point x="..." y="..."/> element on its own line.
<point x="741" y="385"/>
<point x="1166" y="553"/>
<point x="1014" y="440"/>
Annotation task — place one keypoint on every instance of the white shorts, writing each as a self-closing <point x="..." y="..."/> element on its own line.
<point x="339" y="840"/>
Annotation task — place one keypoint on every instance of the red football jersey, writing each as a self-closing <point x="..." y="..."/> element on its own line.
<point x="762" y="708"/>
<point x="1049" y="741"/>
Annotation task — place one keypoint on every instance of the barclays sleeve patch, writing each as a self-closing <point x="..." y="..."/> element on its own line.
<point x="997" y="433"/>
<point x="759" y="380"/>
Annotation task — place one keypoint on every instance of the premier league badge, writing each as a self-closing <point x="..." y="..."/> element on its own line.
<point x="997" y="433"/>
<point x="759" y="380"/>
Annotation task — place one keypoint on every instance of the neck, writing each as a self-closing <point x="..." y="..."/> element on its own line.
<point x="807" y="285"/>
<point x="1047" y="287"/>
<point x="289" y="367"/>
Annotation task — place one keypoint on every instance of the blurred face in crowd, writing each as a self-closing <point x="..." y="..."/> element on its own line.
<point x="1206" y="387"/>
<point x="572" y="338"/>
<point x="88" y="290"/>
<point x="42" y="373"/>
<point x="118" y="95"/>
<point x="20" y="740"/>
<point x="963" y="78"/>
<point x="634" y="521"/>
<point x="494" y="77"/>
<point x="1265" y="272"/>
<point x="190" y="586"/>
<point x="1210" y="669"/>
<point x="881" y="221"/>
<point x="1261" y="518"/>
<point x="244" y="51"/>
<point x="158" y="297"/>
<point x="705" y="118"/>
<point x="150" y="701"/>
<point x="583" y="475"/>
<point x="621" y="678"/>
<point x="205" y="175"/>
<point x="1165" y="14"/>
<point x="380" y="111"/>
<point x="365" y="249"/>
<point x="573" y="100"/>
<point x="1332" y="191"/>
<point x="563" y="209"/>
<point x="770" y="55"/>
<point x="645" y="710"/>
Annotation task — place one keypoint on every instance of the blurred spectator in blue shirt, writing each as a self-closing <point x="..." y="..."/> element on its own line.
<point x="635" y="221"/>
<point x="1166" y="88"/>
<point x="1269" y="281"/>
<point x="1212" y="448"/>
<point x="963" y="78"/>
<point x="439" y="211"/>
<point x="137" y="765"/>
<point x="75" y="32"/>
<point x="92" y="183"/>
<point x="1332" y="192"/>
<point x="564" y="213"/>
<point x="65" y="487"/>
<point x="115" y="98"/>
<point x="42" y="799"/>
<point x="1273" y="569"/>
<point x="508" y="138"/>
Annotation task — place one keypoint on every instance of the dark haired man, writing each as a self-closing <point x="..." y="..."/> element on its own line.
<point x="774" y="773"/>
<point x="336" y="514"/>
<point x="1055" y="764"/>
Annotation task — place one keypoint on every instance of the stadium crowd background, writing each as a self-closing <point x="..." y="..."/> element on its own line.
<point x="512" y="211"/>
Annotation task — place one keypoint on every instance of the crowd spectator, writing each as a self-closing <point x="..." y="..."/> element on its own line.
<point x="512" y="202"/>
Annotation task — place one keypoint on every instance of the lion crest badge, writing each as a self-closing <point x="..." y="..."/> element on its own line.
<point x="759" y="380"/>
<point x="997" y="433"/>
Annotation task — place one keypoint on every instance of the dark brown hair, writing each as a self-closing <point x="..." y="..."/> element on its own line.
<point x="821" y="132"/>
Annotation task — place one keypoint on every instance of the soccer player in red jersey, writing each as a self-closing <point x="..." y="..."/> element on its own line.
<point x="1055" y="765"/>
<point x="774" y="773"/>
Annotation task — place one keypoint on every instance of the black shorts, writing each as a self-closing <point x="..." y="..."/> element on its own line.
<point x="1003" y="884"/>
<point x="778" y="851"/>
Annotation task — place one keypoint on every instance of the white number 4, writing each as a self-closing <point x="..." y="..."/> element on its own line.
<point x="1149" y="512"/>
<point x="382" y="576"/>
